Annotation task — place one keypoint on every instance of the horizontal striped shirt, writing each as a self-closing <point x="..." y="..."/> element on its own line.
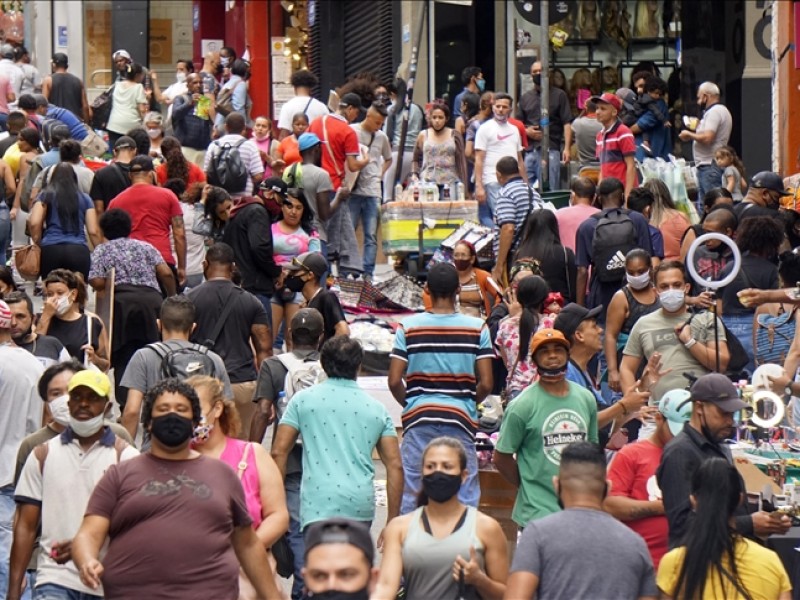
<point x="441" y="351"/>
<point x="512" y="205"/>
<point x="613" y="145"/>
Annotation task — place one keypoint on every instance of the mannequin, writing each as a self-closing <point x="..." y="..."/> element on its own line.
<point x="647" y="19"/>
<point x="588" y="23"/>
<point x="580" y="90"/>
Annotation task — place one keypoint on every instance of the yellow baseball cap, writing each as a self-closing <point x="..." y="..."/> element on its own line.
<point x="94" y="380"/>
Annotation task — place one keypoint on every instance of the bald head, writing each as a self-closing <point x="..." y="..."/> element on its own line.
<point x="709" y="88"/>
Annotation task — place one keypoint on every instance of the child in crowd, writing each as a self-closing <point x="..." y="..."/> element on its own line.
<point x="733" y="175"/>
<point x="652" y="100"/>
<point x="552" y="306"/>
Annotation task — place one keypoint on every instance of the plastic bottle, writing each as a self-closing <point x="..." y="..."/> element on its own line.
<point x="398" y="192"/>
<point x="459" y="195"/>
<point x="282" y="403"/>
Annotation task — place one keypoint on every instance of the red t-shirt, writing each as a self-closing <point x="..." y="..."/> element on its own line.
<point x="613" y="145"/>
<point x="196" y="174"/>
<point x="341" y="140"/>
<point x="633" y="475"/>
<point x="290" y="150"/>
<point x="523" y="135"/>
<point x="151" y="209"/>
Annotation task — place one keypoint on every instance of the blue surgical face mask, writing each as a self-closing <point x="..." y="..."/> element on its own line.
<point x="481" y="83"/>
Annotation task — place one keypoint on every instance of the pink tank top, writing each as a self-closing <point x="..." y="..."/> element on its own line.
<point x="232" y="455"/>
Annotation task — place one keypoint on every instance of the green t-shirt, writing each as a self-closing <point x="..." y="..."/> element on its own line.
<point x="537" y="426"/>
<point x="656" y="333"/>
<point x="340" y="425"/>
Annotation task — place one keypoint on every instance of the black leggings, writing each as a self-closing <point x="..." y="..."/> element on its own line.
<point x="75" y="257"/>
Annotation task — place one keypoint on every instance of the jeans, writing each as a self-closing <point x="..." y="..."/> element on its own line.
<point x="295" y="534"/>
<point x="5" y="231"/>
<point x="414" y="442"/>
<point x="7" y="508"/>
<point x="365" y="209"/>
<point x="742" y="327"/>
<point x="50" y="591"/>
<point x="486" y="210"/>
<point x="266" y="302"/>
<point x="708" y="178"/>
<point x="533" y="165"/>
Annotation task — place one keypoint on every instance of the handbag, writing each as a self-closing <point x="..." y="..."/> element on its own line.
<point x="101" y="108"/>
<point x="28" y="261"/>
<point x="224" y="102"/>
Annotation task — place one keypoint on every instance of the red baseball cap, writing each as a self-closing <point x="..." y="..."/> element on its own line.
<point x="608" y="98"/>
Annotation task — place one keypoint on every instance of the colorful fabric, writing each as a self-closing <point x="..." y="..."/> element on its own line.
<point x="134" y="262"/>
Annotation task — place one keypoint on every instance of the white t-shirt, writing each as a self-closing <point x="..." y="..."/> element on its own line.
<point x="717" y="118"/>
<point x="298" y="104"/>
<point x="497" y="140"/>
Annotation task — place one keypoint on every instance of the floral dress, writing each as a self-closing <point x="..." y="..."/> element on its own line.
<point x="507" y="344"/>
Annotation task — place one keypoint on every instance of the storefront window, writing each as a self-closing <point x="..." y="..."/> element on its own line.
<point x="97" y="29"/>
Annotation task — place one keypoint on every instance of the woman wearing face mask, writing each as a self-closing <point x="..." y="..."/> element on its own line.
<point x="515" y="331"/>
<point x="165" y="502"/>
<point x="439" y="153"/>
<point x="60" y="217"/>
<point x="266" y="144"/>
<point x="261" y="480"/>
<point x="154" y="125"/>
<point x="175" y="165"/>
<point x="479" y="293"/>
<point x="62" y="318"/>
<point x="292" y="235"/>
<point x="634" y="300"/>
<point x="444" y="549"/>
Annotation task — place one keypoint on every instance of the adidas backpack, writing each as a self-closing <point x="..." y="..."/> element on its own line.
<point x="227" y="169"/>
<point x="614" y="237"/>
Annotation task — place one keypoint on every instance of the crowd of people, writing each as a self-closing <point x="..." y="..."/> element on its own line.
<point x="210" y="237"/>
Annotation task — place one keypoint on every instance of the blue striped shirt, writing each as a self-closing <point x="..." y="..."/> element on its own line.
<point x="511" y="206"/>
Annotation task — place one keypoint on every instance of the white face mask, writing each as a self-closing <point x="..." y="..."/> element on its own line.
<point x="87" y="428"/>
<point x="638" y="282"/>
<point x="672" y="300"/>
<point x="63" y="304"/>
<point x="180" y="77"/>
<point x="154" y="133"/>
<point x="59" y="410"/>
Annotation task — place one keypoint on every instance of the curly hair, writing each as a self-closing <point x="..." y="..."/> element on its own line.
<point x="761" y="236"/>
<point x="171" y="385"/>
<point x="177" y="165"/>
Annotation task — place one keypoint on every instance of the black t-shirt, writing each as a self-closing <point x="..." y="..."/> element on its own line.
<point x="44" y="346"/>
<point x="560" y="272"/>
<point x="6" y="143"/>
<point x="745" y="210"/>
<point x="74" y="334"/>
<point x="756" y="272"/>
<point x="328" y="305"/>
<point x="109" y="181"/>
<point x="233" y="343"/>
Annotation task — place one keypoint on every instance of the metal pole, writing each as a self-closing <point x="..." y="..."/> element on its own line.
<point x="409" y="97"/>
<point x="544" y="95"/>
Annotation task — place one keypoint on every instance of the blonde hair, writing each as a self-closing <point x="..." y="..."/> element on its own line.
<point x="229" y="420"/>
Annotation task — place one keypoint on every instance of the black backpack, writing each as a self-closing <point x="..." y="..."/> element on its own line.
<point x="227" y="169"/>
<point x="614" y="236"/>
<point x="184" y="362"/>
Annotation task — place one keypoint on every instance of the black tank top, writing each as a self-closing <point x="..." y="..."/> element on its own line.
<point x="636" y="310"/>
<point x="67" y="92"/>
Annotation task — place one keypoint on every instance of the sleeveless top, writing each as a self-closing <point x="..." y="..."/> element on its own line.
<point x="66" y="91"/>
<point x="428" y="562"/>
<point x="636" y="310"/>
<point x="232" y="456"/>
<point x="439" y="161"/>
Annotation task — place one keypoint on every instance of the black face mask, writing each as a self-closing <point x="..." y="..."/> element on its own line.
<point x="171" y="429"/>
<point x="537" y="79"/>
<point x="440" y="487"/>
<point x="337" y="595"/>
<point x="294" y="283"/>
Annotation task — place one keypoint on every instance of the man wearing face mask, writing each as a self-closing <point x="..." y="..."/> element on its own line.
<point x="566" y="555"/>
<point x="168" y="501"/>
<point x="47" y="489"/>
<point x="543" y="420"/>
<point x="472" y="78"/>
<point x="686" y="341"/>
<point x="339" y="560"/>
<point x="52" y="388"/>
<point x="714" y="401"/>
<point x="713" y="132"/>
<point x="529" y="111"/>
<point x="763" y="197"/>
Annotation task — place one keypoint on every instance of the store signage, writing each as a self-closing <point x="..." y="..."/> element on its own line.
<point x="558" y="10"/>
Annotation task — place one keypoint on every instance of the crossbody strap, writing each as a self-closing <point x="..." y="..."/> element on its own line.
<point x="328" y="145"/>
<point x="226" y="311"/>
<point x="242" y="466"/>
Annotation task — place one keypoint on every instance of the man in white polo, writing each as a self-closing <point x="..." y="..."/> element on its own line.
<point x="55" y="486"/>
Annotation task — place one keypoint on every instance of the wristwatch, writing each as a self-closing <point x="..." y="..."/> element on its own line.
<point x="788" y="390"/>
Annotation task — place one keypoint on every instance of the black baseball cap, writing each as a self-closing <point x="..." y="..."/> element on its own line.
<point x="571" y="317"/>
<point x="767" y="180"/>
<point x="309" y="319"/>
<point x="717" y="389"/>
<point x="351" y="99"/>
<point x="340" y="531"/>
<point x="141" y="163"/>
<point x="276" y="185"/>
<point x="125" y="142"/>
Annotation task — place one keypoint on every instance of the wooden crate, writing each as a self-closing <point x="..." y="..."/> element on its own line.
<point x="497" y="500"/>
